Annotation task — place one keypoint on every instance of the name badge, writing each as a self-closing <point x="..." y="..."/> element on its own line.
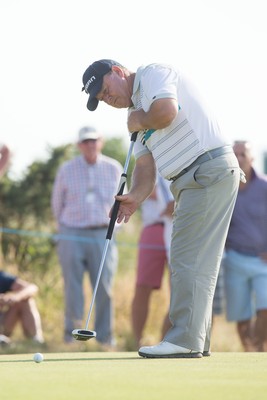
<point x="90" y="196"/>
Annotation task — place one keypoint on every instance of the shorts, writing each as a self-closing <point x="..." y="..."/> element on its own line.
<point x="245" y="280"/>
<point x="152" y="256"/>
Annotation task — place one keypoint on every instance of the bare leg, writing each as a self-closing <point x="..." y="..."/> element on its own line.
<point x="244" y="329"/>
<point x="140" y="311"/>
<point x="260" y="331"/>
<point x="27" y="313"/>
<point x="10" y="319"/>
<point x="31" y="321"/>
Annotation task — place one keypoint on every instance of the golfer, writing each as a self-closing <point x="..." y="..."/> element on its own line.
<point x="179" y="136"/>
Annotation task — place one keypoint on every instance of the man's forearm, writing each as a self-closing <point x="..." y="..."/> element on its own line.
<point x="143" y="181"/>
<point x="23" y="290"/>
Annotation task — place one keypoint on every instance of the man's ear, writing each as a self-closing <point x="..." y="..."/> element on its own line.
<point x="101" y="143"/>
<point x="118" y="70"/>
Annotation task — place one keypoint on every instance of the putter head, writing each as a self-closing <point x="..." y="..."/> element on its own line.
<point x="83" y="334"/>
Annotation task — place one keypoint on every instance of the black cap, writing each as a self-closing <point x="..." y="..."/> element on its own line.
<point x="93" y="80"/>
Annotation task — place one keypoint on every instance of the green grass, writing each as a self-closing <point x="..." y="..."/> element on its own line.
<point x="124" y="375"/>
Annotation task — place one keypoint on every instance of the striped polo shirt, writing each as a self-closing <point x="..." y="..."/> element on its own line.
<point x="194" y="130"/>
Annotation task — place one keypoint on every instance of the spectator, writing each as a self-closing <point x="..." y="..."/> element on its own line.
<point x="245" y="261"/>
<point x="83" y="193"/>
<point x="17" y="305"/>
<point x="178" y="136"/>
<point x="154" y="246"/>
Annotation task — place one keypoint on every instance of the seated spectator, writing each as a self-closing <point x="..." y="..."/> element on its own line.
<point x="17" y="305"/>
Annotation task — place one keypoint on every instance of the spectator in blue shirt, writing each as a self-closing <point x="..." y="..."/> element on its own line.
<point x="245" y="261"/>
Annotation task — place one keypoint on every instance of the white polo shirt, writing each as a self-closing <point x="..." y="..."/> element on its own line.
<point x="194" y="130"/>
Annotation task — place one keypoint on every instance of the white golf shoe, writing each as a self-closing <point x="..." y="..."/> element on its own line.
<point x="168" y="350"/>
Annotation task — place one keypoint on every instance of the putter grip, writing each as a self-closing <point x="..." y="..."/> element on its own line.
<point x="134" y="136"/>
<point x="115" y="208"/>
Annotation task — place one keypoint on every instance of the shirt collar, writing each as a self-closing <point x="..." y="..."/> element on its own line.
<point x="83" y="160"/>
<point x="137" y="79"/>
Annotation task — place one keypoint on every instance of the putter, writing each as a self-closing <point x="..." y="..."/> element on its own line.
<point x="85" y="334"/>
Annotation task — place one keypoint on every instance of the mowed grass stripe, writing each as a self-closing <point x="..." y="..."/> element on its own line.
<point x="102" y="376"/>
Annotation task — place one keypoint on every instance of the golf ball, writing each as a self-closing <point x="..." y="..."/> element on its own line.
<point x="38" y="357"/>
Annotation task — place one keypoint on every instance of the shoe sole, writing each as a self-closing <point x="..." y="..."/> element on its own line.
<point x="206" y="353"/>
<point x="175" y="355"/>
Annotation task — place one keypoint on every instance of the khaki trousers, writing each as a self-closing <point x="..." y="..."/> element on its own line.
<point x="205" y="197"/>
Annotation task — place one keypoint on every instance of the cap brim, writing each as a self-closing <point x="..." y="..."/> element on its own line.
<point x="90" y="135"/>
<point x="93" y="102"/>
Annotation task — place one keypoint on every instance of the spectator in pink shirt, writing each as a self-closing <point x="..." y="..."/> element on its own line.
<point x="83" y="194"/>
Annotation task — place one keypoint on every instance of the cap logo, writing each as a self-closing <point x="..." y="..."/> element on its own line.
<point x="91" y="80"/>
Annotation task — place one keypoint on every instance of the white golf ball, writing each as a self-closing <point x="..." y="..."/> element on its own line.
<point x="38" y="357"/>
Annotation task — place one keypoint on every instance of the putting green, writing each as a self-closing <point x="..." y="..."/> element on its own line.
<point x="107" y="376"/>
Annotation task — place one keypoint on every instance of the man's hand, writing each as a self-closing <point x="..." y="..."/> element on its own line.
<point x="8" y="299"/>
<point x="142" y="184"/>
<point x="160" y="115"/>
<point x="19" y="291"/>
<point x="128" y="205"/>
